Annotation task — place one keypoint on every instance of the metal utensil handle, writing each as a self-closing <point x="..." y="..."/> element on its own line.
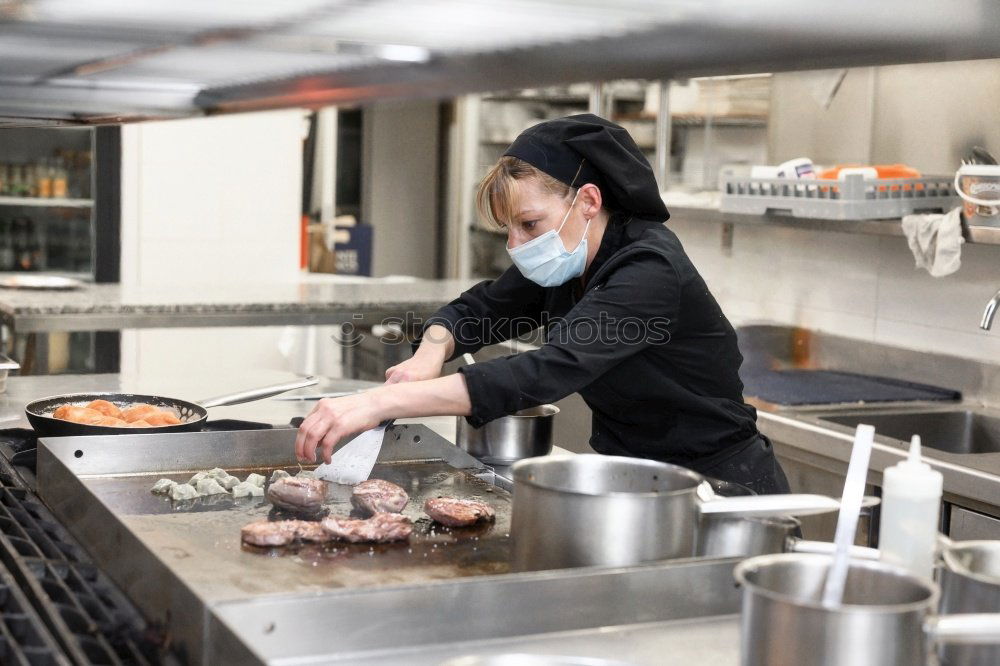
<point x="965" y="629"/>
<point x="796" y="545"/>
<point x="771" y="505"/>
<point x="258" y="393"/>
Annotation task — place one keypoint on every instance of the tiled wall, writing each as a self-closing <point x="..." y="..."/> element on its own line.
<point x="858" y="286"/>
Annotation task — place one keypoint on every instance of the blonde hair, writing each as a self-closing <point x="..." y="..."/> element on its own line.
<point x="497" y="198"/>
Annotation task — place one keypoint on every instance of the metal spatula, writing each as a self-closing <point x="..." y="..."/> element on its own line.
<point x="353" y="462"/>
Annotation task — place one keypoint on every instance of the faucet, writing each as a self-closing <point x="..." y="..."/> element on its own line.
<point x="991" y="309"/>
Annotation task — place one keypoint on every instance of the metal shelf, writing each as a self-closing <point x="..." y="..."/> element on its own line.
<point x="890" y="227"/>
<point x="46" y="203"/>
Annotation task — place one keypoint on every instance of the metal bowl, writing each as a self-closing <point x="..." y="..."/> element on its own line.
<point x="503" y="441"/>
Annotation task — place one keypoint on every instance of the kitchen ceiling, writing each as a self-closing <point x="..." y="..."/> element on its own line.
<point x="120" y="60"/>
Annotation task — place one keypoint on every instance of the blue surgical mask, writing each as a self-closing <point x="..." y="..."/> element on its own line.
<point x="546" y="261"/>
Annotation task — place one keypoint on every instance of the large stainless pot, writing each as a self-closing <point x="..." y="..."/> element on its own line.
<point x="592" y="510"/>
<point x="970" y="583"/>
<point x="524" y="434"/>
<point x="886" y="618"/>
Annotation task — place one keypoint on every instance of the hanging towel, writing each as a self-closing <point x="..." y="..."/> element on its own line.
<point x="936" y="241"/>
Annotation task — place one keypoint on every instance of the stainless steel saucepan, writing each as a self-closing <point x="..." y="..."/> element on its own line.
<point x="593" y="510"/>
<point x="524" y="434"/>
<point x="739" y="536"/>
<point x="970" y="583"/>
<point x="887" y="617"/>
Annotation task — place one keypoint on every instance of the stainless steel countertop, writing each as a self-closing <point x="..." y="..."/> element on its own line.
<point x="713" y="641"/>
<point x="312" y="299"/>
<point x="801" y="435"/>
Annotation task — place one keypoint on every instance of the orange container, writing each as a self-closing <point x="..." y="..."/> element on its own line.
<point x="883" y="170"/>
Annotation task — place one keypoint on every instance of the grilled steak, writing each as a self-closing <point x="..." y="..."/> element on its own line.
<point x="380" y="528"/>
<point x="282" y="532"/>
<point x="457" y="512"/>
<point x="297" y="494"/>
<point x="378" y="496"/>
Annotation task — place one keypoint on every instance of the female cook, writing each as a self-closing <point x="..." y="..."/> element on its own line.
<point x="629" y="323"/>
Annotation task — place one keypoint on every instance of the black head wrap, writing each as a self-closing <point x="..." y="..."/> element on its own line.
<point x="609" y="157"/>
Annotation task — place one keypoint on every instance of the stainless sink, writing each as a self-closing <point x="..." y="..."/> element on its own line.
<point x="961" y="431"/>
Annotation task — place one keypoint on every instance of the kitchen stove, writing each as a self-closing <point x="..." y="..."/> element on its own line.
<point x="56" y="606"/>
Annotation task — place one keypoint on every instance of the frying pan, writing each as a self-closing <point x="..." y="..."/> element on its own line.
<point x="192" y="414"/>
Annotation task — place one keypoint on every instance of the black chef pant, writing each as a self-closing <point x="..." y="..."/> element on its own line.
<point x="751" y="464"/>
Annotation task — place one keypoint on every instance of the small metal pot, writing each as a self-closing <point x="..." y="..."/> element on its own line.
<point x="596" y="510"/>
<point x="970" y="583"/>
<point x="503" y="441"/>
<point x="737" y="536"/>
<point x="886" y="618"/>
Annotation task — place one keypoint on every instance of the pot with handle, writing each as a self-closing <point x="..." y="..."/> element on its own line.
<point x="596" y="510"/>
<point x="970" y="583"/>
<point x="502" y="441"/>
<point x="886" y="618"/>
<point x="192" y="414"/>
<point x="736" y="536"/>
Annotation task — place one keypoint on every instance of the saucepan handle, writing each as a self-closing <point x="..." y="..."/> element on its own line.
<point x="258" y="393"/>
<point x="770" y="505"/>
<point x="826" y="548"/>
<point x="964" y="629"/>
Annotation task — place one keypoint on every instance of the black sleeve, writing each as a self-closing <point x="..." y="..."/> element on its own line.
<point x="490" y="312"/>
<point x="635" y="308"/>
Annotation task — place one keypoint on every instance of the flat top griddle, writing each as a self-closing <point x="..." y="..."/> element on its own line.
<point x="202" y="537"/>
<point x="179" y="560"/>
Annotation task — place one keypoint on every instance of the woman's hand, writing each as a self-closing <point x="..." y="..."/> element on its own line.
<point x="333" y="419"/>
<point x="415" y="369"/>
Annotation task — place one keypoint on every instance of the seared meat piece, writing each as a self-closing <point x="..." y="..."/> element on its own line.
<point x="282" y="532"/>
<point x="378" y="496"/>
<point x="380" y="528"/>
<point x="457" y="512"/>
<point x="268" y="533"/>
<point x="298" y="495"/>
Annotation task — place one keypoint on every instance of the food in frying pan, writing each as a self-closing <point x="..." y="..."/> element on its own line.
<point x="454" y="512"/>
<point x="298" y="495"/>
<point x="106" y="408"/>
<point x="104" y="413"/>
<point x="139" y="412"/>
<point x="78" y="414"/>
<point x="282" y="532"/>
<point x="161" y="419"/>
<point x="380" y="528"/>
<point x="378" y="496"/>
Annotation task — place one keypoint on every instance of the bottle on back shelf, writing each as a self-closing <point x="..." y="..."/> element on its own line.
<point x="59" y="179"/>
<point x="911" y="506"/>
<point x="43" y="179"/>
<point x="6" y="246"/>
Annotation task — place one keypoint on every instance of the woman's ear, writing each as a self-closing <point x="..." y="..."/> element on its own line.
<point x="590" y="200"/>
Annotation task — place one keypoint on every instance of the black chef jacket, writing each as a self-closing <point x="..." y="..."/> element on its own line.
<point x="644" y="342"/>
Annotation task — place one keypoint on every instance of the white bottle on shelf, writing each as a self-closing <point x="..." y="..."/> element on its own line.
<point x="911" y="505"/>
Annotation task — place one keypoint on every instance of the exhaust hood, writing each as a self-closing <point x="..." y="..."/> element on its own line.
<point x="65" y="61"/>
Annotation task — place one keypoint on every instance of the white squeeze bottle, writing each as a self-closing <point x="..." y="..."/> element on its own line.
<point x="911" y="503"/>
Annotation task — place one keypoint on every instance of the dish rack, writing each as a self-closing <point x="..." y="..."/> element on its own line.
<point x="853" y="198"/>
